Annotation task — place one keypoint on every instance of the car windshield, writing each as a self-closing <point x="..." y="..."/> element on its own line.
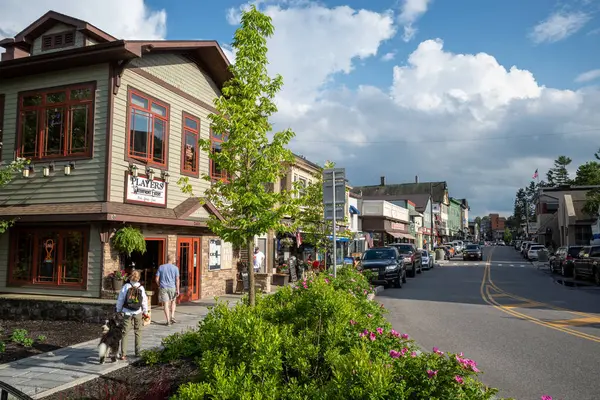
<point x="472" y="247"/>
<point x="574" y="251"/>
<point x="404" y="248"/>
<point x="383" y="254"/>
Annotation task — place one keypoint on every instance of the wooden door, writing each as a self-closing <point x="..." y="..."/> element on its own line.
<point x="188" y="261"/>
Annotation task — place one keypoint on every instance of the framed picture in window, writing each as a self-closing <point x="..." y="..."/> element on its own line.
<point x="214" y="254"/>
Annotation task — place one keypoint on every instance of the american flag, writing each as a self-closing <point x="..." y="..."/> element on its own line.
<point x="298" y="238"/>
<point x="369" y="240"/>
<point x="535" y="174"/>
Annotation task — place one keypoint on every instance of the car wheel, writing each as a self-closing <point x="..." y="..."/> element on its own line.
<point x="597" y="276"/>
<point x="398" y="281"/>
<point x="420" y="269"/>
<point x="431" y="264"/>
<point x="413" y="271"/>
<point x="404" y="276"/>
<point x="575" y="277"/>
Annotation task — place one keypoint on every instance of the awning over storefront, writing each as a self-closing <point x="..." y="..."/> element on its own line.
<point x="400" y="235"/>
<point x="338" y="239"/>
<point x="354" y="210"/>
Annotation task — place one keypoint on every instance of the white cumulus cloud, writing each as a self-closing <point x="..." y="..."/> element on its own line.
<point x="410" y="11"/>
<point x="559" y="26"/>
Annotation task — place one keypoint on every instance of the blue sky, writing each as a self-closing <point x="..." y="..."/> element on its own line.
<point x="401" y="88"/>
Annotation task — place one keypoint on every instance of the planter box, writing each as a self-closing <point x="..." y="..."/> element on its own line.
<point x="281" y="279"/>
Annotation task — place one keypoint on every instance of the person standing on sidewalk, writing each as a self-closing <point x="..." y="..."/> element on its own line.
<point x="132" y="302"/>
<point x="167" y="280"/>
<point x="258" y="259"/>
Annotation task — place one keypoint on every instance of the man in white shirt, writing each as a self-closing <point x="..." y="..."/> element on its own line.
<point x="259" y="258"/>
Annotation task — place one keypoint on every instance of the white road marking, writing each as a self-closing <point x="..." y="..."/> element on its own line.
<point x="512" y="265"/>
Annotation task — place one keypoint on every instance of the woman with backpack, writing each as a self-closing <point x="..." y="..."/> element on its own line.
<point x="133" y="302"/>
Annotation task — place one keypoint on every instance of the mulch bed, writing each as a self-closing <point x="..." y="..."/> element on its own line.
<point x="57" y="334"/>
<point x="134" y="382"/>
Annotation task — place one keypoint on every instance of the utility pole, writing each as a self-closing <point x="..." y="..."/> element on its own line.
<point x="334" y="227"/>
<point x="527" y="217"/>
<point x="431" y="214"/>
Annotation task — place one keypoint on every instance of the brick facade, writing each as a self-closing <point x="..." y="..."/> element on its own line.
<point x="218" y="282"/>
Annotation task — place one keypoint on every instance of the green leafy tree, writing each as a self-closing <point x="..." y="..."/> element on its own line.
<point x="588" y="174"/>
<point x="7" y="174"/>
<point x="507" y="235"/>
<point x="247" y="155"/>
<point x="520" y="210"/>
<point x="559" y="175"/>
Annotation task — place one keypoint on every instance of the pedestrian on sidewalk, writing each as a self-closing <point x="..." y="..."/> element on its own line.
<point x="258" y="259"/>
<point x="167" y="280"/>
<point x="133" y="302"/>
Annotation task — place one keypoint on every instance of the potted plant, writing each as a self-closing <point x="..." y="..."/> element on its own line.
<point x="118" y="278"/>
<point x="286" y="242"/>
<point x="129" y="239"/>
<point x="281" y="278"/>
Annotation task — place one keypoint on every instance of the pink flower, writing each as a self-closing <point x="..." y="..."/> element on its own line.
<point x="394" y="354"/>
<point x="431" y="373"/>
<point x="546" y="397"/>
<point x="393" y="332"/>
<point x="380" y="331"/>
<point x="365" y="292"/>
<point x="352" y="322"/>
<point x="372" y="336"/>
<point x="403" y="351"/>
<point x="459" y="379"/>
<point x="437" y="351"/>
<point x="404" y="336"/>
<point x="467" y="364"/>
<point x="326" y="280"/>
<point x="362" y="334"/>
<point x="413" y="354"/>
<point x="369" y="316"/>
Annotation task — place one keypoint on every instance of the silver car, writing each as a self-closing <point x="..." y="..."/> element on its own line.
<point x="426" y="259"/>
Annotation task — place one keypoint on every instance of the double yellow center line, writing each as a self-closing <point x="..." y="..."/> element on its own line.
<point x="488" y="284"/>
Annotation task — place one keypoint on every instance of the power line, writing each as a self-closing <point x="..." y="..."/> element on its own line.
<point x="447" y="140"/>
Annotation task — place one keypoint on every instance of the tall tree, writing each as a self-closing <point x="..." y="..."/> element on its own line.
<point x="592" y="204"/>
<point x="588" y="174"/>
<point x="247" y="155"/>
<point x="559" y="175"/>
<point x="519" y="211"/>
<point x="531" y="194"/>
<point x="7" y="174"/>
<point x="507" y="236"/>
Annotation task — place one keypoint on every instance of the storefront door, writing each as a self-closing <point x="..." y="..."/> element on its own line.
<point x="188" y="261"/>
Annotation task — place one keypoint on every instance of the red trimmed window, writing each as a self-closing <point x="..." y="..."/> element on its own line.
<point x="148" y="119"/>
<point x="49" y="257"/>
<point x="191" y="135"/>
<point x="59" y="40"/>
<point x="56" y="123"/>
<point x="216" y="172"/>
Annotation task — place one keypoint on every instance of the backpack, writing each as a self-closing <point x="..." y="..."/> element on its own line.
<point x="133" y="298"/>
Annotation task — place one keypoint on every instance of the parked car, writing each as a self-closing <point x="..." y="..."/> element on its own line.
<point x="526" y="248"/>
<point x="532" y="252"/>
<point x="387" y="263"/>
<point x="587" y="264"/>
<point x="426" y="259"/>
<point x="472" y="252"/>
<point x="563" y="259"/>
<point x="412" y="257"/>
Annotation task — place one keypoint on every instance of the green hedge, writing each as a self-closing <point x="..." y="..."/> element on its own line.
<point x="321" y="340"/>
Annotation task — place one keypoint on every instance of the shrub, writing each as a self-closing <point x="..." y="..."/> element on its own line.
<point x="322" y="339"/>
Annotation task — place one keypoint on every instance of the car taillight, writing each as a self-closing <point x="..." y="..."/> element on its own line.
<point x="569" y="257"/>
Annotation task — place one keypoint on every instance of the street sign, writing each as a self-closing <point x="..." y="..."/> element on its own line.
<point x="334" y="201"/>
<point x="340" y="213"/>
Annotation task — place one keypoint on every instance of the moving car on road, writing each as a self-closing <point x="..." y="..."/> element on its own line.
<point x="563" y="259"/>
<point x="472" y="252"/>
<point x="387" y="264"/>
<point x="412" y="257"/>
<point x="426" y="259"/>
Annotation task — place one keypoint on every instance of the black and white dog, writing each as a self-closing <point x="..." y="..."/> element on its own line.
<point x="113" y="328"/>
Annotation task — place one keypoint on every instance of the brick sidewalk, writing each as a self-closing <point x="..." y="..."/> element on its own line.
<point x="48" y="373"/>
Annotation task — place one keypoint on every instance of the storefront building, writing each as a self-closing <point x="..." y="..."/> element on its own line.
<point x="110" y="128"/>
<point x="385" y="222"/>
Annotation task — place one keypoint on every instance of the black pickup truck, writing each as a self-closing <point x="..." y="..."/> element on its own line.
<point x="587" y="264"/>
<point x="412" y="257"/>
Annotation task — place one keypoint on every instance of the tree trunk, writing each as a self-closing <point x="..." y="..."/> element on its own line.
<point x="251" y="286"/>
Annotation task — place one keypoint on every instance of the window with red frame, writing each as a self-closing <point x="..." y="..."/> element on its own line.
<point x="216" y="172"/>
<point x="55" y="123"/>
<point x="191" y="135"/>
<point x="148" y="120"/>
<point x="49" y="257"/>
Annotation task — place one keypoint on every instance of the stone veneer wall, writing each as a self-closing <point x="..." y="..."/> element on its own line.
<point x="55" y="310"/>
<point x="222" y="281"/>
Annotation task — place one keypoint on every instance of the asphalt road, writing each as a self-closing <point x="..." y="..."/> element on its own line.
<point x="531" y="335"/>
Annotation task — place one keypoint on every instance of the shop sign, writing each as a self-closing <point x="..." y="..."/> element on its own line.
<point x="397" y="226"/>
<point x="214" y="254"/>
<point x="141" y="190"/>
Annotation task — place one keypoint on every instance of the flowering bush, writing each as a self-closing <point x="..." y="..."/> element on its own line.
<point x="119" y="275"/>
<point x="320" y="339"/>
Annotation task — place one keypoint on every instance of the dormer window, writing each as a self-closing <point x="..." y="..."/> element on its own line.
<point x="58" y="40"/>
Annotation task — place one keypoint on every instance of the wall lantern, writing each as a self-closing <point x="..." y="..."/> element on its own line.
<point x="133" y="170"/>
<point x="165" y="176"/>
<point x="28" y="170"/>
<point x="150" y="173"/>
<point x="48" y="169"/>
<point x="70" y="166"/>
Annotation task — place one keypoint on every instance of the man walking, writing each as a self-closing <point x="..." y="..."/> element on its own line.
<point x="167" y="280"/>
<point x="258" y="259"/>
